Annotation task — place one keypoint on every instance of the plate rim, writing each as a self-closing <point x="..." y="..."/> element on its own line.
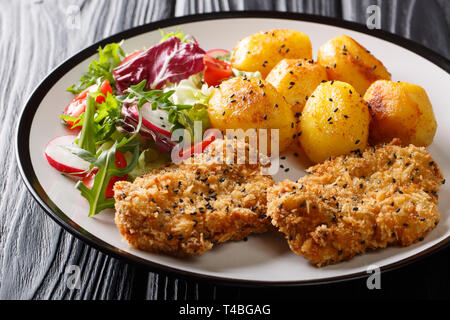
<point x="34" y="187"/>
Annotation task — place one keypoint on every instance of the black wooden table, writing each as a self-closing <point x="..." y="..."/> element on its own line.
<point x="35" y="253"/>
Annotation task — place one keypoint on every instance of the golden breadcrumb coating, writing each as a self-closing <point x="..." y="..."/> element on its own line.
<point x="185" y="209"/>
<point x="384" y="196"/>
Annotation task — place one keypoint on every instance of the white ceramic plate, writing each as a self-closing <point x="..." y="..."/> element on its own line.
<point x="263" y="259"/>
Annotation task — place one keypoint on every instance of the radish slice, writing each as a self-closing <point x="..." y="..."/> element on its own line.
<point x="62" y="159"/>
<point x="156" y="120"/>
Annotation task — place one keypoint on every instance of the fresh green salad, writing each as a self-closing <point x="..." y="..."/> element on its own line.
<point x="126" y="107"/>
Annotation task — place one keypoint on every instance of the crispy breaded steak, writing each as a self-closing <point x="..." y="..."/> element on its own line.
<point x="386" y="195"/>
<point x="185" y="209"/>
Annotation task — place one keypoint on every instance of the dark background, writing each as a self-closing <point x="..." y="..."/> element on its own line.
<point x="35" y="251"/>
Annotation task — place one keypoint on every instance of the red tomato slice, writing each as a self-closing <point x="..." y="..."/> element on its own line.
<point x="78" y="105"/>
<point x="217" y="53"/>
<point x="131" y="56"/>
<point x="215" y="70"/>
<point x="121" y="162"/>
<point x="104" y="88"/>
<point x="186" y="153"/>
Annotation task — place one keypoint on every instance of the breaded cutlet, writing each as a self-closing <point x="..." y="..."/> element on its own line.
<point x="383" y="196"/>
<point x="186" y="209"/>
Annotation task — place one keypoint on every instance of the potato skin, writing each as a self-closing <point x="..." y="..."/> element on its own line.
<point x="346" y="60"/>
<point x="263" y="50"/>
<point x="400" y="110"/>
<point x="241" y="103"/>
<point x="330" y="128"/>
<point x="296" y="79"/>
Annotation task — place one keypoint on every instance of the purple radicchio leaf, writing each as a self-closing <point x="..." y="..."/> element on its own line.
<point x="171" y="60"/>
<point x="129" y="124"/>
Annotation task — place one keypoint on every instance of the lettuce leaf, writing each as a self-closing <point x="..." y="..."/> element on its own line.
<point x="179" y="34"/>
<point x="168" y="61"/>
<point x="248" y="74"/>
<point x="190" y="91"/>
<point x="148" y="160"/>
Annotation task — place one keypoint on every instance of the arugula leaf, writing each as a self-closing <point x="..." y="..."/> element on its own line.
<point x="109" y="57"/>
<point x="105" y="162"/>
<point x="106" y="170"/>
<point x="106" y="116"/>
<point x="88" y="133"/>
<point x="100" y="119"/>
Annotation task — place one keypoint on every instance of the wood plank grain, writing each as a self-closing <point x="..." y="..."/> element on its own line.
<point x="34" y="251"/>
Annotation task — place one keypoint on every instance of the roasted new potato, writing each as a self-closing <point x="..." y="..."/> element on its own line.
<point x="263" y="50"/>
<point x="241" y="103"/>
<point x="296" y="79"/>
<point x="335" y="121"/>
<point x="400" y="110"/>
<point x="346" y="60"/>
